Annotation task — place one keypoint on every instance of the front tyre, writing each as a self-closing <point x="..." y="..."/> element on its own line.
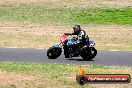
<point x="53" y="52"/>
<point x="93" y="52"/>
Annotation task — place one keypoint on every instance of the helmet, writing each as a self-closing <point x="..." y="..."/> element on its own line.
<point x="77" y="29"/>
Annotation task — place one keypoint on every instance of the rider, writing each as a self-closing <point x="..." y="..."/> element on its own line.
<point x="81" y="36"/>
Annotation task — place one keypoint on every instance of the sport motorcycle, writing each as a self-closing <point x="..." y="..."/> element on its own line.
<point x="87" y="51"/>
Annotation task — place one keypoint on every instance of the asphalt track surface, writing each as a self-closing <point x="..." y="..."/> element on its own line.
<point x="107" y="58"/>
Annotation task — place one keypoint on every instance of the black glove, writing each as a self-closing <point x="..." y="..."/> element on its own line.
<point x="65" y="33"/>
<point x="68" y="33"/>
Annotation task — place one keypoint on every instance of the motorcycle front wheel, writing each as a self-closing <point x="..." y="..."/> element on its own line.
<point x="93" y="52"/>
<point x="53" y="52"/>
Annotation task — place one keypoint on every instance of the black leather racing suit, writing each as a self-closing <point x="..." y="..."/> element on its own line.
<point x="81" y="40"/>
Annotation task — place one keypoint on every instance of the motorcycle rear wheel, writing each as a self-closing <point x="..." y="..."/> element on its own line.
<point x="88" y="53"/>
<point x="53" y="52"/>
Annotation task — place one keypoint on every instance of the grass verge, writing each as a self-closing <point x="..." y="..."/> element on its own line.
<point x="43" y="75"/>
<point x="39" y="13"/>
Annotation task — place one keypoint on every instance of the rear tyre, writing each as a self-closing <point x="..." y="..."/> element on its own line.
<point x="53" y="52"/>
<point x="88" y="53"/>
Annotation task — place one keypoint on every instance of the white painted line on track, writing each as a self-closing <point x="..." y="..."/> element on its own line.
<point x="113" y="50"/>
<point x="22" y="48"/>
<point x="48" y="48"/>
<point x="9" y="47"/>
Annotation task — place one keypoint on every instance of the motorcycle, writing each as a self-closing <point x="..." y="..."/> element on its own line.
<point x="87" y="51"/>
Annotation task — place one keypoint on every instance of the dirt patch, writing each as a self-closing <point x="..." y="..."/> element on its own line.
<point x="23" y="80"/>
<point x="30" y="35"/>
<point x="17" y="80"/>
<point x="32" y="29"/>
<point x="75" y="3"/>
<point x="43" y="36"/>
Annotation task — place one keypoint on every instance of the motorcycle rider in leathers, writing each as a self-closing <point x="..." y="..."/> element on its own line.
<point x="81" y="39"/>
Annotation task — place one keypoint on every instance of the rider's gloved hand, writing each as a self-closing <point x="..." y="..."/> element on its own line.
<point x="66" y="33"/>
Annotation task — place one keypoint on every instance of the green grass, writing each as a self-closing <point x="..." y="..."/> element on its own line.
<point x="44" y="14"/>
<point x="43" y="67"/>
<point x="55" y="74"/>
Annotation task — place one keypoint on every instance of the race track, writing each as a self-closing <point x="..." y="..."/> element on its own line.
<point x="107" y="58"/>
